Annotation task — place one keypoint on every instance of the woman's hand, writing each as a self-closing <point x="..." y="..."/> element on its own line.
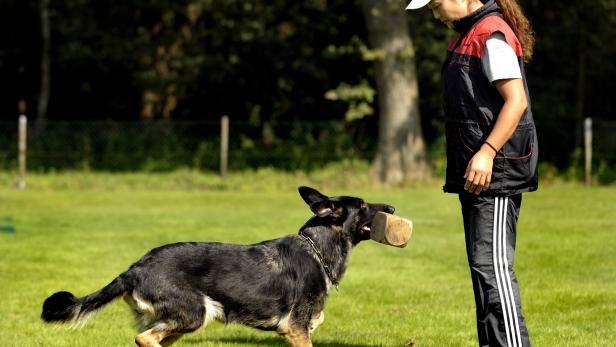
<point x="479" y="170"/>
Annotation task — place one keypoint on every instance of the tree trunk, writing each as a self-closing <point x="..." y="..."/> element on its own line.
<point x="581" y="86"/>
<point x="401" y="153"/>
<point x="43" y="100"/>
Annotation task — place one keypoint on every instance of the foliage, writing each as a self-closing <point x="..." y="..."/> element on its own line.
<point x="195" y="59"/>
<point x="154" y="146"/>
<point x="277" y="61"/>
<point x="359" y="98"/>
<point x="606" y="173"/>
<point x="569" y="78"/>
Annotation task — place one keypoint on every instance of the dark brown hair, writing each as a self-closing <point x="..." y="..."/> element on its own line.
<point x="515" y="17"/>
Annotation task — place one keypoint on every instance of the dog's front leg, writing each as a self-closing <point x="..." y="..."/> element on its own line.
<point x="169" y="340"/>
<point x="151" y="338"/>
<point x="299" y="339"/>
<point x="316" y="321"/>
<point x="296" y="337"/>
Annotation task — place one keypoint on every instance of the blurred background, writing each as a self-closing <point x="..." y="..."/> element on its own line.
<point x="126" y="86"/>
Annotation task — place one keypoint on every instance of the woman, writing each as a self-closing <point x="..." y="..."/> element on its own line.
<point x="491" y="149"/>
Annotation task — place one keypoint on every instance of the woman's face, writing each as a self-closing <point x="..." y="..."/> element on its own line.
<point x="449" y="10"/>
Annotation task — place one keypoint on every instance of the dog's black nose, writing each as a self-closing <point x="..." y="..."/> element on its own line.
<point x="389" y="209"/>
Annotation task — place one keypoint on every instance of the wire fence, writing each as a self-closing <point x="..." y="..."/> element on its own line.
<point x="604" y="145"/>
<point x="168" y="145"/>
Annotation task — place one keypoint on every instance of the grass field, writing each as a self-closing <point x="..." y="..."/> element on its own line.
<point x="75" y="233"/>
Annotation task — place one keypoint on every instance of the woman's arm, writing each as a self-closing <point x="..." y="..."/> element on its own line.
<point x="479" y="169"/>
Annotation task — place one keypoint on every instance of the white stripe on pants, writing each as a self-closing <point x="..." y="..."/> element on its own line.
<point x="501" y="266"/>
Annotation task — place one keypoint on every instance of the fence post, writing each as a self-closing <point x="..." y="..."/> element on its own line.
<point x="224" y="145"/>
<point x="23" y="125"/>
<point x="588" y="151"/>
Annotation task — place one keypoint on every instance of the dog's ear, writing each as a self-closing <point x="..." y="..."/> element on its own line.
<point x="311" y="195"/>
<point x="324" y="208"/>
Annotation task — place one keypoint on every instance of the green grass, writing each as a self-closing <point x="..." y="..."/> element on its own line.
<point x="77" y="232"/>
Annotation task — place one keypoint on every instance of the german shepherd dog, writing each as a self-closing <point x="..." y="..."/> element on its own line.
<point x="278" y="285"/>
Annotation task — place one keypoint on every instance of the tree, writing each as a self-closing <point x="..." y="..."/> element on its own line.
<point x="43" y="100"/>
<point x="401" y="153"/>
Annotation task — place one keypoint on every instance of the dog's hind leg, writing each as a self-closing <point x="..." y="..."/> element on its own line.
<point x="163" y="334"/>
<point x="167" y="320"/>
<point x="158" y="336"/>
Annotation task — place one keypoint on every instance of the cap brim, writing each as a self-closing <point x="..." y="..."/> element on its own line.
<point x="415" y="4"/>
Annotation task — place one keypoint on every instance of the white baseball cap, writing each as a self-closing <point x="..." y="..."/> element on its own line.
<point x="415" y="4"/>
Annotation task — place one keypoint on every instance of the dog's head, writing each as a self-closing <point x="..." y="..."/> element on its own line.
<point x="344" y="213"/>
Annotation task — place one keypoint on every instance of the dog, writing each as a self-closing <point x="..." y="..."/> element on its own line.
<point x="278" y="285"/>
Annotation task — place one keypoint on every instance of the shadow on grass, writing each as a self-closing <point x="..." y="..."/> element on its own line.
<point x="267" y="341"/>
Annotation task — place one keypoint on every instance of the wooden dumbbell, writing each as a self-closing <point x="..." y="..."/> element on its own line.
<point x="391" y="230"/>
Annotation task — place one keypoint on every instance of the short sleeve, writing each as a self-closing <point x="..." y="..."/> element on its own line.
<point x="499" y="61"/>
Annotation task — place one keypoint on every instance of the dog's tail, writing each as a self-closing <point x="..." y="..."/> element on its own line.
<point x="64" y="307"/>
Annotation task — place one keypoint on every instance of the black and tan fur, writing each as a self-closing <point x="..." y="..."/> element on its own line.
<point x="278" y="285"/>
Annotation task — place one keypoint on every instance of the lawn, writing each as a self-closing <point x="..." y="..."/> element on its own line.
<point x="76" y="234"/>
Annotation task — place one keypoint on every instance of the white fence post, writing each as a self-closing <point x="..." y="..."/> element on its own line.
<point x="23" y="126"/>
<point x="588" y="151"/>
<point x="224" y="145"/>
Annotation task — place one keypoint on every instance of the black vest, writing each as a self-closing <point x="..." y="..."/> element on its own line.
<point x="472" y="105"/>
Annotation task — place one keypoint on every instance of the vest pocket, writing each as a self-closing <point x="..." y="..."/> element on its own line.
<point x="516" y="154"/>
<point x="463" y="144"/>
<point x="467" y="139"/>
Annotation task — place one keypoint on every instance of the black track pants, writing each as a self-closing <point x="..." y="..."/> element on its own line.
<point x="490" y="232"/>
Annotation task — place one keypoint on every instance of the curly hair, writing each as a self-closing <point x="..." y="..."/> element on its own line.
<point x="515" y="17"/>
